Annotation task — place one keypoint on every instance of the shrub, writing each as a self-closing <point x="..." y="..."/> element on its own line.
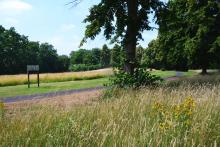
<point x="140" y="78"/>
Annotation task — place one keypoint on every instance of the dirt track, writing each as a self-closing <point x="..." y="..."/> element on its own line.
<point x="48" y="95"/>
<point x="65" y="101"/>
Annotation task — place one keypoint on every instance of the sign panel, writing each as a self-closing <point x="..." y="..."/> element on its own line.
<point x="33" y="68"/>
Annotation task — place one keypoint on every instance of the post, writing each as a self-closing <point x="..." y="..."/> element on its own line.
<point x="38" y="80"/>
<point x="28" y="79"/>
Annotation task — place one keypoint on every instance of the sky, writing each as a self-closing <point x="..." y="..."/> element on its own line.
<point x="55" y="22"/>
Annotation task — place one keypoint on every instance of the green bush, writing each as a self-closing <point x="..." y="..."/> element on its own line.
<point x="140" y="78"/>
<point x="84" y="67"/>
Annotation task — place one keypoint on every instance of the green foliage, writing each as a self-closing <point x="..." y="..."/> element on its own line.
<point x="96" y="54"/>
<point x="140" y="78"/>
<point x="48" y="58"/>
<point x="101" y="18"/>
<point x="105" y="56"/>
<point x="117" y="56"/>
<point x="79" y="57"/>
<point x="16" y="52"/>
<point x="83" y="60"/>
<point x="64" y="63"/>
<point x="84" y="67"/>
<point x="188" y="34"/>
<point x="140" y="55"/>
<point x="152" y="56"/>
<point x="121" y="21"/>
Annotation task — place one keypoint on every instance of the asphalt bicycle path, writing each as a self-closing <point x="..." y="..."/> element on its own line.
<point x="59" y="93"/>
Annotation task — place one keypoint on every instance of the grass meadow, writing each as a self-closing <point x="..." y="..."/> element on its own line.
<point x="179" y="113"/>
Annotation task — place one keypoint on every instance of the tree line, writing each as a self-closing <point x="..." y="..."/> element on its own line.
<point x="16" y="52"/>
<point x="96" y="58"/>
<point x="189" y="35"/>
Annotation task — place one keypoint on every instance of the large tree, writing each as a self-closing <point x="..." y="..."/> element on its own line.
<point x="189" y="33"/>
<point x="122" y="21"/>
<point x="204" y="31"/>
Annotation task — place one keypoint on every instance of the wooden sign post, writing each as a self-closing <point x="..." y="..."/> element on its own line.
<point x="33" y="69"/>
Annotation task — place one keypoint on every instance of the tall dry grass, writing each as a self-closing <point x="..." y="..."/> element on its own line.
<point x="127" y="118"/>
<point x="10" y="80"/>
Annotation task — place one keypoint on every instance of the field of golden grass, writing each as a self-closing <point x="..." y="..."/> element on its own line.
<point x="11" y="80"/>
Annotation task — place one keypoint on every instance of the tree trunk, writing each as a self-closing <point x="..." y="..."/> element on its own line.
<point x="204" y="57"/>
<point x="131" y="37"/>
<point x="204" y="71"/>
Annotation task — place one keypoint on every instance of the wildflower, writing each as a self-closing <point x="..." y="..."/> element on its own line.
<point x="178" y="116"/>
<point x="1" y="109"/>
<point x="189" y="103"/>
<point x="158" y="106"/>
<point x="1" y="105"/>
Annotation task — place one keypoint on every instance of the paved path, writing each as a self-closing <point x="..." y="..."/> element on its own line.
<point x="58" y="93"/>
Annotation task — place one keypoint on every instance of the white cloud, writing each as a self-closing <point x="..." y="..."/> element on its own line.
<point x="67" y="27"/>
<point x="14" y="6"/>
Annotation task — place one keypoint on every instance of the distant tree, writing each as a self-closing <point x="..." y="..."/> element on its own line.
<point x="88" y="58"/>
<point x="64" y="63"/>
<point x="2" y="51"/>
<point x="105" y="56"/>
<point x="76" y="57"/>
<point x="96" y="55"/>
<point x="117" y="56"/>
<point x="33" y="53"/>
<point x="139" y="54"/>
<point x="16" y="52"/>
<point x="13" y="51"/>
<point x="153" y="56"/>
<point x="48" y="58"/>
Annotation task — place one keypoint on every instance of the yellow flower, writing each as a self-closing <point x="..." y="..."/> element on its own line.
<point x="1" y="105"/>
<point x="178" y="116"/>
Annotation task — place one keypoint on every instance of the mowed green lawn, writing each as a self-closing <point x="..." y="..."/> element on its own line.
<point x="166" y="74"/>
<point x="10" y="91"/>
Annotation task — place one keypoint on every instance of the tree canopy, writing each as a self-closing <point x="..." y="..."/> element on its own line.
<point x="121" y="21"/>
<point x="16" y="52"/>
<point x="189" y="33"/>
